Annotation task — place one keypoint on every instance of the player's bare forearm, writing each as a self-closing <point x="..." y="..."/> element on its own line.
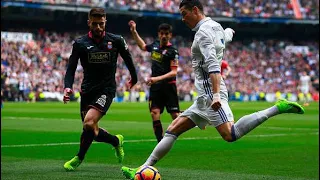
<point x="156" y="79"/>
<point x="138" y="40"/>
<point x="135" y="34"/>
<point x="228" y="70"/>
<point x="215" y="80"/>
<point x="172" y="73"/>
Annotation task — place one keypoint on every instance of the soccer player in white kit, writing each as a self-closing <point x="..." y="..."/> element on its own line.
<point x="305" y="82"/>
<point x="211" y="106"/>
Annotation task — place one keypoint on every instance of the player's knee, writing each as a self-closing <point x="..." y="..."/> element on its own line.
<point x="173" y="131"/>
<point x="228" y="138"/>
<point x="155" y="112"/>
<point x="174" y="115"/>
<point x="170" y="128"/>
<point x="88" y="124"/>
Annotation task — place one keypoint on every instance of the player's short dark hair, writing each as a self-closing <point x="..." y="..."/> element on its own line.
<point x="189" y="4"/>
<point x="165" y="27"/>
<point x="96" y="12"/>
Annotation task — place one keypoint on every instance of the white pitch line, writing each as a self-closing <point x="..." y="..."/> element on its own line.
<point x="150" y="140"/>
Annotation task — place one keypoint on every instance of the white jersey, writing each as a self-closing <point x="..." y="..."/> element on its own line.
<point x="207" y="52"/>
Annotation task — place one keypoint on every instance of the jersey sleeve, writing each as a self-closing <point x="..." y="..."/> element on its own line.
<point x="224" y="65"/>
<point x="126" y="56"/>
<point x="207" y="48"/>
<point x="175" y="59"/>
<point x="149" y="47"/>
<point x="72" y="66"/>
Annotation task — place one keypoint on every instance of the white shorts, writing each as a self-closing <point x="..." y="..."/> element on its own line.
<point x="202" y="114"/>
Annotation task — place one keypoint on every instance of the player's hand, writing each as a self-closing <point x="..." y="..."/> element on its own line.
<point x="67" y="93"/>
<point x="230" y="30"/>
<point x="229" y="34"/>
<point x="152" y="80"/>
<point x="216" y="102"/>
<point x="132" y="83"/>
<point x="132" y="25"/>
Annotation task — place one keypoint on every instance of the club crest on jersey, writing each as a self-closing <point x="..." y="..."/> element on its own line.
<point x="109" y="46"/>
<point x="164" y="52"/>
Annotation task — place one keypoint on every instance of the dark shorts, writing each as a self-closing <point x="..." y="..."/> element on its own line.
<point x="164" y="96"/>
<point x="99" y="101"/>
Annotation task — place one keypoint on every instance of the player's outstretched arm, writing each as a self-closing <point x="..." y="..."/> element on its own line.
<point x="136" y="36"/>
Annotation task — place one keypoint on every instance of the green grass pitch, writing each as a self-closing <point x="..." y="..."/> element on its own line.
<point x="37" y="138"/>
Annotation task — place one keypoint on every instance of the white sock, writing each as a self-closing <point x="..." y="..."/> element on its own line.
<point x="162" y="148"/>
<point x="272" y="111"/>
<point x="247" y="123"/>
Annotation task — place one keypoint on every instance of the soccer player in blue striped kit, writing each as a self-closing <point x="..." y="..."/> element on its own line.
<point x="211" y="106"/>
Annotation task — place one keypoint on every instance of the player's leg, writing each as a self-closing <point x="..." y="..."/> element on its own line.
<point x="233" y="131"/>
<point x="102" y="103"/>
<point x="89" y="128"/>
<point x="174" y="115"/>
<point x="172" y="101"/>
<point x="306" y="96"/>
<point x="91" y="131"/>
<point x="72" y="164"/>
<point x="115" y="140"/>
<point x="176" y="128"/>
<point x="156" y="107"/>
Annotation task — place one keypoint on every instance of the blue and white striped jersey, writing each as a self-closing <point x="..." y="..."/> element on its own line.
<point x="207" y="52"/>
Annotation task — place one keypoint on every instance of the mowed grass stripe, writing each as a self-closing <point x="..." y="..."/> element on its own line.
<point x="133" y="122"/>
<point x="153" y="140"/>
<point x="42" y="169"/>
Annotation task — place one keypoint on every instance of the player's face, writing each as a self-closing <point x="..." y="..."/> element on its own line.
<point x="189" y="17"/>
<point x="97" y="26"/>
<point x="164" y="36"/>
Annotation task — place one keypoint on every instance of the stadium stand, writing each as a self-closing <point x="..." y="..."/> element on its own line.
<point x="275" y="41"/>
<point x="36" y="67"/>
<point x="306" y="9"/>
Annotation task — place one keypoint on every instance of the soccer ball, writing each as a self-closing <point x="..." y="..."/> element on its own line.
<point x="147" y="173"/>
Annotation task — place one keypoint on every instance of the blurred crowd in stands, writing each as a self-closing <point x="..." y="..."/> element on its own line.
<point x="307" y="9"/>
<point x="31" y="69"/>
